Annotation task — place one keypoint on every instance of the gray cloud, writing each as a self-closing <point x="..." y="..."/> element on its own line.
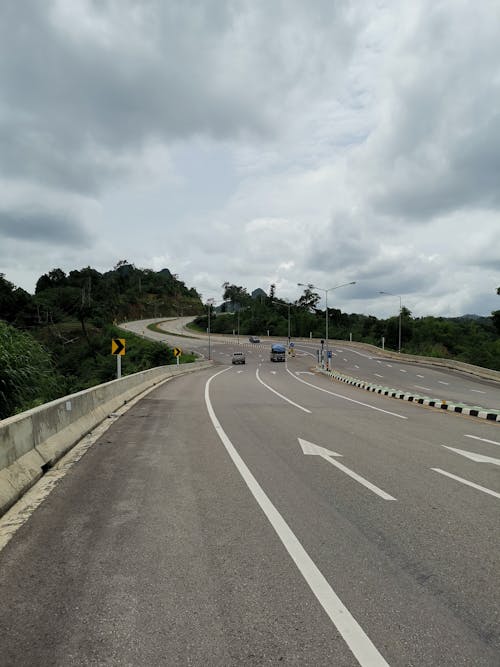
<point x="335" y="141"/>
<point x="46" y="227"/>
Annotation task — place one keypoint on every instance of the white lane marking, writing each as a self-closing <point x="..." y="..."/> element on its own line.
<point x="378" y="362"/>
<point x="418" y="386"/>
<point x="420" y="376"/>
<point x="273" y="372"/>
<point x="389" y="365"/>
<point x="303" y="373"/>
<point x="402" y="370"/>
<point x="280" y="395"/>
<point x="441" y="382"/>
<point x="475" y="437"/>
<point x="240" y="371"/>
<point x="346" y="360"/>
<point x="378" y="375"/>
<point x="356" y="366"/>
<point x="478" y="391"/>
<point x="340" y="350"/>
<point x="345" y="398"/>
<point x="353" y="634"/>
<point x="478" y="458"/>
<point x="310" y="449"/>
<point x="466" y="481"/>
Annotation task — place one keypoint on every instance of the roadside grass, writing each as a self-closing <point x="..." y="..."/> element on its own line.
<point x="156" y="327"/>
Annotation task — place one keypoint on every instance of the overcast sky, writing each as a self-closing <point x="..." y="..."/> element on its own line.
<point x="257" y="142"/>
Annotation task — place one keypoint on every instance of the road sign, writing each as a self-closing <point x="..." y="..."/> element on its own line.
<point x="292" y="344"/>
<point x="177" y="351"/>
<point x="118" y="346"/>
<point x="329" y="354"/>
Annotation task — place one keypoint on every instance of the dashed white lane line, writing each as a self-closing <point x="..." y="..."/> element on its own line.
<point x="418" y="386"/>
<point x="467" y="482"/>
<point x="442" y="382"/>
<point x="280" y="395"/>
<point x="402" y="370"/>
<point x="478" y="391"/>
<point x="353" y="634"/>
<point x="475" y="437"/>
<point x="420" y="376"/>
<point x="378" y="375"/>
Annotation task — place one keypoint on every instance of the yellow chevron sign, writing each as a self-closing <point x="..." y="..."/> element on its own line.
<point x="177" y="351"/>
<point x="118" y="346"/>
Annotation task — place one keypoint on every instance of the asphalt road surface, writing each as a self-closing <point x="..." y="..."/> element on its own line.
<point x="263" y="514"/>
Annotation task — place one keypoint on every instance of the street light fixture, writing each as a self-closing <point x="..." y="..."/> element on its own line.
<point x="330" y="289"/>
<point x="400" y="309"/>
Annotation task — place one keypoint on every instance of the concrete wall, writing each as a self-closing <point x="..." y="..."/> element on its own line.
<point x="33" y="440"/>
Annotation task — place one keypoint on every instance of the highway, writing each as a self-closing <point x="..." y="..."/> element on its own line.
<point x="265" y="514"/>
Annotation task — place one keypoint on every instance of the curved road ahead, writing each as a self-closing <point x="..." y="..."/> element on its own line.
<point x="263" y="514"/>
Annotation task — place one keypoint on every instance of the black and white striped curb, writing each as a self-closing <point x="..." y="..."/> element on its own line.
<point x="473" y="411"/>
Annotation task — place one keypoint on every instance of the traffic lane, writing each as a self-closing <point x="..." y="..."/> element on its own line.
<point x="443" y="383"/>
<point x="151" y="551"/>
<point x="393" y="564"/>
<point x="438" y="430"/>
<point x="446" y="384"/>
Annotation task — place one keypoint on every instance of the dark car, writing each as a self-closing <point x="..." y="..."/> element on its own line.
<point x="254" y="339"/>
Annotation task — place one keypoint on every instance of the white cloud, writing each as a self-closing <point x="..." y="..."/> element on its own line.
<point x="257" y="142"/>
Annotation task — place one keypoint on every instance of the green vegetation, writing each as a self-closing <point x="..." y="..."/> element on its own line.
<point x="473" y="340"/>
<point x="58" y="341"/>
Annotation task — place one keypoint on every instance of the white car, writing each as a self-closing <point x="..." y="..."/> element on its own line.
<point x="238" y="358"/>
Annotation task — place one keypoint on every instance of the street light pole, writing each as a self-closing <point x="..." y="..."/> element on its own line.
<point x="330" y="289"/>
<point x="209" y="304"/>
<point x="400" y="311"/>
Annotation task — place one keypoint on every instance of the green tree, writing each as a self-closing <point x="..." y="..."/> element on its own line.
<point x="27" y="374"/>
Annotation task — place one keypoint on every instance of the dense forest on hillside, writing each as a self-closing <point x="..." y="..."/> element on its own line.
<point x="58" y="341"/>
<point x="472" y="339"/>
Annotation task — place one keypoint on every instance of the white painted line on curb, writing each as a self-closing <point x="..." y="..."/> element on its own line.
<point x="353" y="634"/>
<point x="278" y="394"/>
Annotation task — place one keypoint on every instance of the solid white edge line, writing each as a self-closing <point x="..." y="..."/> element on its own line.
<point x="345" y="398"/>
<point x="466" y="481"/>
<point x="278" y="394"/>
<point x="354" y="636"/>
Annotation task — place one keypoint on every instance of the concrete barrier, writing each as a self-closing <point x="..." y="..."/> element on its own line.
<point x="32" y="441"/>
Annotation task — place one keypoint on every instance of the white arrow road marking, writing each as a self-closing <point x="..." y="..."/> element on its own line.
<point x="310" y="449"/>
<point x="479" y="458"/>
<point x="346" y="398"/>
<point x="353" y="634"/>
<point x="280" y="395"/>
<point x="466" y="481"/>
<point x="475" y="437"/>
